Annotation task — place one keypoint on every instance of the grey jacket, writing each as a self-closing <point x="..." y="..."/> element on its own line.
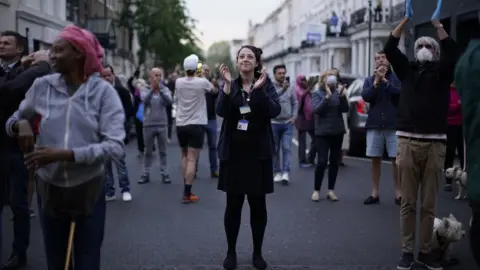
<point x="155" y="107"/>
<point x="328" y="112"/>
<point x="288" y="104"/>
<point x="91" y="123"/>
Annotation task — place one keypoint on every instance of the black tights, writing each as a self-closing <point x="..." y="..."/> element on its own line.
<point x="233" y="216"/>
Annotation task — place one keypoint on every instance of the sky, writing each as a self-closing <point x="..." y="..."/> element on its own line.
<point x="228" y="19"/>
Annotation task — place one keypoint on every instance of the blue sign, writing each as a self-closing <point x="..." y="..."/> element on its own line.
<point x="314" y="36"/>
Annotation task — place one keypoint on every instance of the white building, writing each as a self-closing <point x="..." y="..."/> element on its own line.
<point x="299" y="34"/>
<point x="234" y="46"/>
<point x="40" y="20"/>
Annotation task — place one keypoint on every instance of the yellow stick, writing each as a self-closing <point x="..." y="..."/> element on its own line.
<point x="70" y="245"/>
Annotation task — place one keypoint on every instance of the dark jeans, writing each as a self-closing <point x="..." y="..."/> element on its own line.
<point x="302" y="147"/>
<point x="139" y="132"/>
<point x="329" y="150"/>
<point x="87" y="243"/>
<point x="170" y="122"/>
<point x="211" y="130"/>
<point x="475" y="235"/>
<point x="454" y="144"/>
<point x="122" y="174"/>
<point x="18" y="192"/>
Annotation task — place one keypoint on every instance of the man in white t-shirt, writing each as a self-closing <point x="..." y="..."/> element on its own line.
<point x="191" y="118"/>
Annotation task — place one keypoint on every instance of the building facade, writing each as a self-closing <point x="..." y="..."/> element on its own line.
<point x="315" y="35"/>
<point x="39" y="20"/>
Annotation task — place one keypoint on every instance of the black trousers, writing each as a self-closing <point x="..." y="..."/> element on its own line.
<point x="233" y="216"/>
<point x="170" y="121"/>
<point x="454" y="144"/>
<point x="475" y="234"/>
<point x="329" y="151"/>
<point x="139" y="132"/>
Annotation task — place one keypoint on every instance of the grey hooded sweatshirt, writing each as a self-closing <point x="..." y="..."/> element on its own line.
<point x="90" y="122"/>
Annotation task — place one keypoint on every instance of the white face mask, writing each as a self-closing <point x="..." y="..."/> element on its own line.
<point x="424" y="55"/>
<point x="332" y="80"/>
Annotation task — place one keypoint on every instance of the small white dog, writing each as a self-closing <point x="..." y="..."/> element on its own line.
<point x="446" y="231"/>
<point x="459" y="176"/>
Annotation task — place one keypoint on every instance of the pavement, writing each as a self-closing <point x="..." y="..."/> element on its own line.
<point x="156" y="231"/>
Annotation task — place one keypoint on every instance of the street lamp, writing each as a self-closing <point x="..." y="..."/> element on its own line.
<point x="369" y="36"/>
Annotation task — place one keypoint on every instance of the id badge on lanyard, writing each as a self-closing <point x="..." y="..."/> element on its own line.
<point x="244" y="110"/>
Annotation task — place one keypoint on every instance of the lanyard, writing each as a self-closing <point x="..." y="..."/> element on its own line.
<point x="246" y="95"/>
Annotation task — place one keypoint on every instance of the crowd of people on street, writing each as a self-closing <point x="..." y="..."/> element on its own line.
<point x="67" y="120"/>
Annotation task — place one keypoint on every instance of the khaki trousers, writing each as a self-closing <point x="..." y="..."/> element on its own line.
<point x="420" y="164"/>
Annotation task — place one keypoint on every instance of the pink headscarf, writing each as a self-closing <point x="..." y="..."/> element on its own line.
<point x="86" y="43"/>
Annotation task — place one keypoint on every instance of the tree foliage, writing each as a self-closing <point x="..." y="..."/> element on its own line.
<point x="164" y="29"/>
<point x="219" y="53"/>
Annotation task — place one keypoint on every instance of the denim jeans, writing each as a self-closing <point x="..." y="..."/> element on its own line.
<point x="18" y="191"/>
<point x="211" y="130"/>
<point x="87" y="243"/>
<point x="282" y="135"/>
<point x="122" y="174"/>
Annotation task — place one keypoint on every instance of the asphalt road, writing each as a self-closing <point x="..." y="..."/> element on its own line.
<point x="156" y="231"/>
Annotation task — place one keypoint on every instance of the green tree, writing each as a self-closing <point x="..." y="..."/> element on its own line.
<point x="163" y="27"/>
<point x="219" y="53"/>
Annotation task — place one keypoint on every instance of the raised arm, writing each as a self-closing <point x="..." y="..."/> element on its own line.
<point x="319" y="101"/>
<point x="166" y="96"/>
<point x="448" y="52"/>
<point x="397" y="59"/>
<point x="223" y="101"/>
<point x="267" y="98"/>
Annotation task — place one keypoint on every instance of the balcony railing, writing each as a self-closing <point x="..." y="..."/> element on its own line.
<point x="398" y="12"/>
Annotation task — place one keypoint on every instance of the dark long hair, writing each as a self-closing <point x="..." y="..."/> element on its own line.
<point x="258" y="58"/>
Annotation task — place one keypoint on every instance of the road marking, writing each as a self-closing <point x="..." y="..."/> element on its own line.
<point x="295" y="142"/>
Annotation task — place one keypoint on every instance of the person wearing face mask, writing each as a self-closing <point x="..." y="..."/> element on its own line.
<point x="328" y="103"/>
<point x="421" y="131"/>
<point x="245" y="149"/>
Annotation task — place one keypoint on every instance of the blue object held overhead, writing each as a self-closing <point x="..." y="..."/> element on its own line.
<point x="436" y="14"/>
<point x="408" y="9"/>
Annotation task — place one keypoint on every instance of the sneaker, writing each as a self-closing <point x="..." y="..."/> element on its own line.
<point x="331" y="196"/>
<point x="190" y="199"/>
<point x="144" y="179"/>
<point x="316" y="196"/>
<point x="126" y="196"/>
<point x="285" y="178"/>
<point x="277" y="177"/>
<point x="406" y="261"/>
<point x="371" y="200"/>
<point x="166" y="179"/>
<point x="214" y="174"/>
<point x="110" y="198"/>
<point x="429" y="262"/>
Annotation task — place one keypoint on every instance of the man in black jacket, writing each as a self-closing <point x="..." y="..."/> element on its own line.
<point x="122" y="172"/>
<point x="421" y="130"/>
<point x="15" y="80"/>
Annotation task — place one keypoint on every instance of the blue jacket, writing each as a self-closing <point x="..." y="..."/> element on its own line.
<point x="383" y="102"/>
<point x="264" y="102"/>
<point x="328" y="112"/>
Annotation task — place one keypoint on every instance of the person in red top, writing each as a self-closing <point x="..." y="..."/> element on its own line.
<point x="454" y="133"/>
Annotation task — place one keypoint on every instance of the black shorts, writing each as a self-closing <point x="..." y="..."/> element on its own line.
<point x="191" y="136"/>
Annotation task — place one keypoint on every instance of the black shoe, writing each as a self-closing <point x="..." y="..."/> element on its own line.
<point x="15" y="262"/>
<point x="258" y="261"/>
<point x="406" y="261"/>
<point x="371" y="200"/>
<point x="230" y="261"/>
<point x="429" y="262"/>
<point x="166" y="179"/>
<point x="398" y="201"/>
<point x="144" y="179"/>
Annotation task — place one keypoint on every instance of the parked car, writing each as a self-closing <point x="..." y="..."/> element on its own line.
<point x="356" y="118"/>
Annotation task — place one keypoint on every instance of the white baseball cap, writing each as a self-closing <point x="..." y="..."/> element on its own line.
<point x="191" y="62"/>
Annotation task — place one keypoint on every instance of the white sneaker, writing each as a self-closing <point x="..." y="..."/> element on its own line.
<point x="316" y="196"/>
<point x="285" y="176"/>
<point x="110" y="198"/>
<point x="126" y="196"/>
<point x="277" y="177"/>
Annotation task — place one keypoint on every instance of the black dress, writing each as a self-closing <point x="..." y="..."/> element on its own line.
<point x="244" y="172"/>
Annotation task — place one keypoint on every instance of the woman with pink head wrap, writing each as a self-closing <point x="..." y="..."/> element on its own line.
<point x="81" y="128"/>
